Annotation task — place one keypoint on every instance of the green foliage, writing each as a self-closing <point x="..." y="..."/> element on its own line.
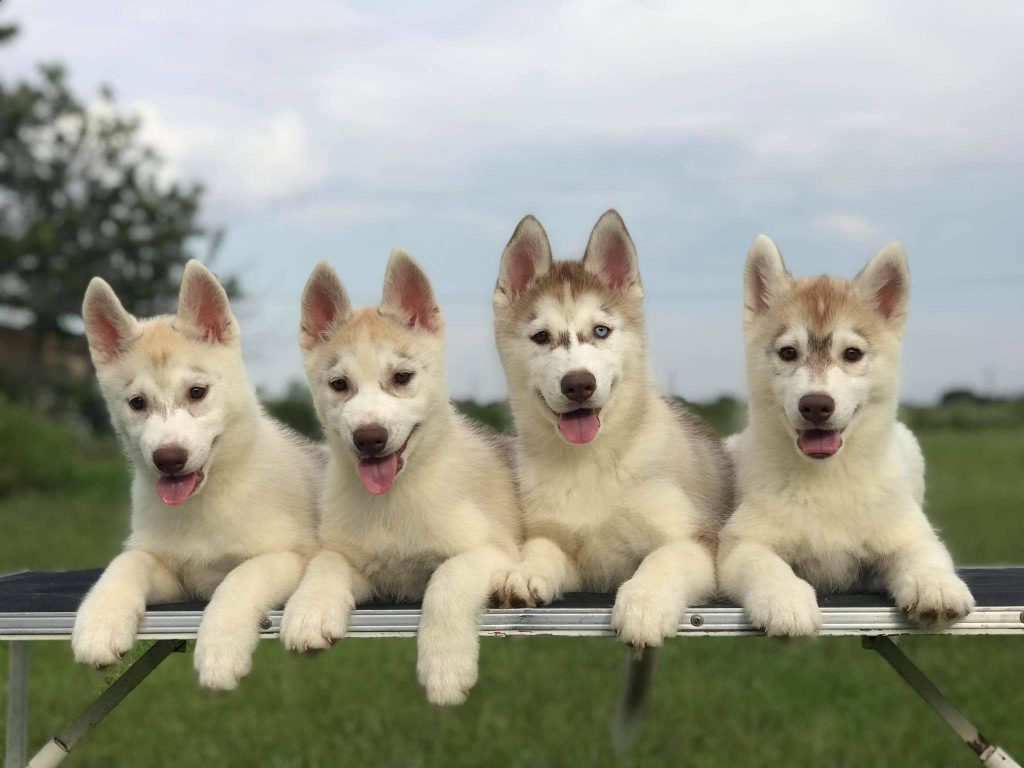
<point x="965" y="414"/>
<point x="497" y="416"/>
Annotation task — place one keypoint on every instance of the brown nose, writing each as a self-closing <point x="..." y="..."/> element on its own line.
<point x="817" y="409"/>
<point x="579" y="386"/>
<point x="370" y="440"/>
<point x="170" y="459"/>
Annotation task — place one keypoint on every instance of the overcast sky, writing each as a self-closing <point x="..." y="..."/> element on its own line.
<point x="327" y="130"/>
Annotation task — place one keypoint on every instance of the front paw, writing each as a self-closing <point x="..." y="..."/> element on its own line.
<point x="222" y="659"/>
<point x="314" y="625"/>
<point x="517" y="589"/>
<point x="933" y="597"/>
<point x="102" y="636"/>
<point x="643" y="618"/>
<point x="447" y="673"/>
<point x="788" y="610"/>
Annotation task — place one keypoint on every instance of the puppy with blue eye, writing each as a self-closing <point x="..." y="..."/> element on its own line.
<point x="830" y="484"/>
<point x="621" y="490"/>
<point x="418" y="503"/>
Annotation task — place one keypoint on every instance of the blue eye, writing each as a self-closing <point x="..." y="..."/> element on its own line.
<point x="602" y="331"/>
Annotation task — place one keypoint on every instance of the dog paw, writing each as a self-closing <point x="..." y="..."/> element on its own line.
<point x="314" y="625"/>
<point x="101" y="637"/>
<point x="517" y="589"/>
<point x="447" y="674"/>
<point x="934" y="598"/>
<point x="642" y="618"/>
<point x="789" y="611"/>
<point x="222" y="662"/>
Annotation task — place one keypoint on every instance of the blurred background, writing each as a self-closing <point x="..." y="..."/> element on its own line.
<point x="262" y="138"/>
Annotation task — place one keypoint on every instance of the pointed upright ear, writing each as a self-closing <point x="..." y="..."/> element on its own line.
<point x="765" y="277"/>
<point x="203" y="306"/>
<point x="408" y="294"/>
<point x="885" y="283"/>
<point x="611" y="254"/>
<point x="526" y="257"/>
<point x="325" y="306"/>
<point x="109" y="328"/>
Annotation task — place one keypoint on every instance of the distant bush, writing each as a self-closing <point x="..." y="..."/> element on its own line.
<point x="965" y="414"/>
<point x="497" y="416"/>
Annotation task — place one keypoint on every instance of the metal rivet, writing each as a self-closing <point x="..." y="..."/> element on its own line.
<point x="265" y="623"/>
<point x="697" y="620"/>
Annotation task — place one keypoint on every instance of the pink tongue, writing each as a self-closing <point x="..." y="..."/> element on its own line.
<point x="378" y="475"/>
<point x="176" y="490"/>
<point x="580" y="426"/>
<point x="819" y="442"/>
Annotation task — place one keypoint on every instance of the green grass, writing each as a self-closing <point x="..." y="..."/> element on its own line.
<point x="547" y="702"/>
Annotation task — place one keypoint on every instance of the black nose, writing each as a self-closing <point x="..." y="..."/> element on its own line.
<point x="170" y="459"/>
<point x="817" y="409"/>
<point x="370" y="440"/>
<point x="579" y="386"/>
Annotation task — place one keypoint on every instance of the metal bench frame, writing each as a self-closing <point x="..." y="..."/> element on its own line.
<point x="171" y="628"/>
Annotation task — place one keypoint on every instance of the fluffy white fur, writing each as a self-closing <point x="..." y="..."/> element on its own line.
<point x="637" y="508"/>
<point x="449" y="522"/>
<point x="242" y="539"/>
<point x="805" y="525"/>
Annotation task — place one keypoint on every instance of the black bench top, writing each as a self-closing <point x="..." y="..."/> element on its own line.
<point x="62" y="591"/>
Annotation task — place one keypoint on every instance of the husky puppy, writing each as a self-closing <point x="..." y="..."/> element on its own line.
<point x="830" y="483"/>
<point x="418" y="504"/>
<point x="223" y="497"/>
<point x="620" y="489"/>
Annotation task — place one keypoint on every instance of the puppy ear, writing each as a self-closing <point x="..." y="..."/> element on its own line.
<point x="408" y="294"/>
<point x="611" y="254"/>
<point x="885" y="283"/>
<point x="526" y="257"/>
<point x="109" y="329"/>
<point x="203" y="306"/>
<point x="765" y="277"/>
<point x="325" y="306"/>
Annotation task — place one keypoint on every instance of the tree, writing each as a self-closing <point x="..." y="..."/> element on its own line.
<point x="81" y="195"/>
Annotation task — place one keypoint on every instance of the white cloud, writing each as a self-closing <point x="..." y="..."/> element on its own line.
<point x="844" y="224"/>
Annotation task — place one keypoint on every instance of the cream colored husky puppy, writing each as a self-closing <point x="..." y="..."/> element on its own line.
<point x="223" y="497"/>
<point x="620" y="489"/>
<point x="418" y="504"/>
<point x="830" y="483"/>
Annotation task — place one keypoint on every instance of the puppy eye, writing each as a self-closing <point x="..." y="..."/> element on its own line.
<point x="852" y="354"/>
<point x="403" y="377"/>
<point x="339" y="385"/>
<point x="541" y="337"/>
<point x="137" y="403"/>
<point x="789" y="354"/>
<point x="602" y="331"/>
<point x="197" y="393"/>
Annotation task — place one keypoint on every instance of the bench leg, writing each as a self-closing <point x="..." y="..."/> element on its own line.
<point x="17" y="706"/>
<point x="990" y="755"/>
<point x="58" y="749"/>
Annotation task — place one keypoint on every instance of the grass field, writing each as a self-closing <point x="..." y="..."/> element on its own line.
<point x="542" y="702"/>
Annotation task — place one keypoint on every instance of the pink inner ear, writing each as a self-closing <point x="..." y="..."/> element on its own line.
<point x="105" y="335"/>
<point x="416" y="300"/>
<point x="890" y="292"/>
<point x="614" y="262"/>
<point x="209" y="311"/>
<point x="522" y="266"/>
<point x="320" y="313"/>
<point x="760" y="289"/>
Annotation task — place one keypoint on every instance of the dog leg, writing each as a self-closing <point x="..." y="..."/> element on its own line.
<point x="543" y="575"/>
<point x="775" y="598"/>
<point x="921" y="578"/>
<point x="229" y="631"/>
<point x="109" y="616"/>
<point x="649" y="606"/>
<point x="448" y="642"/>
<point x="317" y="614"/>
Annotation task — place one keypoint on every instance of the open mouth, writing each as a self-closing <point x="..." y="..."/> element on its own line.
<point x="819" y="443"/>
<point x="579" y="427"/>
<point x="177" y="489"/>
<point x="378" y="473"/>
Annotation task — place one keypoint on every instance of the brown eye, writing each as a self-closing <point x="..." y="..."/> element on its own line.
<point x="541" y="337"/>
<point x="137" y="403"/>
<point x="403" y="377"/>
<point x="197" y="393"/>
<point x="339" y="385"/>
<point x="789" y="354"/>
<point x="852" y="354"/>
